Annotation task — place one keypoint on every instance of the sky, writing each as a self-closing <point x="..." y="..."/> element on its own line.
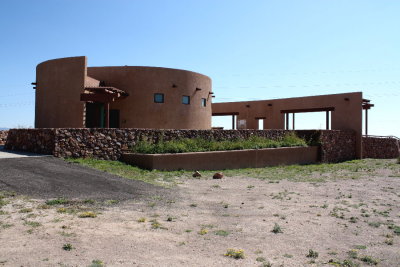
<point x="251" y="49"/>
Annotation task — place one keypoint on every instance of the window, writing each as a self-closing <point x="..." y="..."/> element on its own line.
<point x="203" y="102"/>
<point x="158" y="98"/>
<point x="186" y="100"/>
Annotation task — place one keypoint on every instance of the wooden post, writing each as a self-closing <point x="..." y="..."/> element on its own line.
<point x="233" y="122"/>
<point x="293" y="122"/>
<point x="366" y="121"/>
<point x="327" y="120"/>
<point x="107" y="113"/>
<point x="287" y="121"/>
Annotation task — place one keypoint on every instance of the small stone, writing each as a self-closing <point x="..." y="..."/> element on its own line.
<point x="218" y="175"/>
<point x="196" y="174"/>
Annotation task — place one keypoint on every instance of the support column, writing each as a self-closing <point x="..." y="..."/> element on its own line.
<point x="287" y="121"/>
<point x="233" y="122"/>
<point x="107" y="114"/>
<point x="293" y="122"/>
<point x="327" y="120"/>
<point x="366" y="121"/>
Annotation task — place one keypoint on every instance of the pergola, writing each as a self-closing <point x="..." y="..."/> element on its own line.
<point x="105" y="95"/>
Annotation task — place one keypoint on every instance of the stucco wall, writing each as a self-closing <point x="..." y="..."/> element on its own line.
<point x="59" y="85"/>
<point x="381" y="148"/>
<point x="110" y="143"/>
<point x="347" y="114"/>
<point x="138" y="110"/>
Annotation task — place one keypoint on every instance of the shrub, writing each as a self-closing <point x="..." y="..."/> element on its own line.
<point x="312" y="254"/>
<point x="67" y="247"/>
<point x="277" y="229"/>
<point x="87" y="214"/>
<point x="202" y="145"/>
<point x="58" y="201"/>
<point x="235" y="253"/>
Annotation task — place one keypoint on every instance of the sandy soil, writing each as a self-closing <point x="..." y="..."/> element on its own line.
<point x="345" y="219"/>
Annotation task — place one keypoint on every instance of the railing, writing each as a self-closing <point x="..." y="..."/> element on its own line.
<point x="382" y="136"/>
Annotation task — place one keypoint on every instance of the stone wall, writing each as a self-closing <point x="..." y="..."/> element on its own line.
<point x="41" y="141"/>
<point x="380" y="147"/>
<point x="3" y="137"/>
<point x="110" y="143"/>
<point x="337" y="146"/>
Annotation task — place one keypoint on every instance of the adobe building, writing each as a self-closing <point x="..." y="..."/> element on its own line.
<point x="71" y="95"/>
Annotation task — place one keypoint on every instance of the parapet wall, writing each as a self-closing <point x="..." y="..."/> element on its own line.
<point x="110" y="143"/>
<point x="380" y="147"/>
<point x="3" y="137"/>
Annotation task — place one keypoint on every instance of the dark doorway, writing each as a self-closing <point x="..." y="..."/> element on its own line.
<point x="114" y="118"/>
<point x="95" y="115"/>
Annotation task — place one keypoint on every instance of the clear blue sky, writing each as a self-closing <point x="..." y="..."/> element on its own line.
<point x="251" y="49"/>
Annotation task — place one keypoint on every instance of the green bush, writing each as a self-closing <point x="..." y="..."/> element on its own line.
<point x="203" y="145"/>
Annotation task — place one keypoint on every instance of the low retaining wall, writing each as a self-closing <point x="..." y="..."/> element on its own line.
<point x="220" y="160"/>
<point x="109" y="144"/>
<point x="3" y="137"/>
<point x="380" y="147"/>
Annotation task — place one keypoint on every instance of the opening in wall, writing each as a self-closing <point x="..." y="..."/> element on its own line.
<point x="158" y="98"/>
<point x="186" y="99"/>
<point x="203" y="102"/>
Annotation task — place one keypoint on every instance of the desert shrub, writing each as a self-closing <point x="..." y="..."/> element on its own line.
<point x="235" y="253"/>
<point x="203" y="145"/>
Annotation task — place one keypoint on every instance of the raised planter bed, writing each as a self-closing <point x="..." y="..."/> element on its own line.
<point x="220" y="160"/>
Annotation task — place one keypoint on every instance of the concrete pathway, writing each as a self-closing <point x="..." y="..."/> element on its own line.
<point x="7" y="154"/>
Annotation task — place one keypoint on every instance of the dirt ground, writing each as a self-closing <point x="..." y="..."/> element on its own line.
<point x="351" y="221"/>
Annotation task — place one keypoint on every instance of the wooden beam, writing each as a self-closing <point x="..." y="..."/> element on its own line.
<point x="107" y="114"/>
<point x="307" y="110"/>
<point x="102" y="98"/>
<point x="225" y="113"/>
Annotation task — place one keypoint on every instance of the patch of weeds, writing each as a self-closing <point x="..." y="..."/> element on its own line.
<point x="266" y="264"/>
<point x="360" y="247"/>
<point x="96" y="263"/>
<point x="89" y="201"/>
<point x="170" y="219"/>
<point x="25" y="210"/>
<point x="32" y="224"/>
<point x="87" y="214"/>
<point x="182" y="243"/>
<point x="67" y="247"/>
<point x="58" y="201"/>
<point x="287" y="256"/>
<point x="250" y="186"/>
<point x="141" y="220"/>
<point x="374" y="224"/>
<point x="216" y="186"/>
<point x="277" y="229"/>
<point x="111" y="202"/>
<point x="345" y="263"/>
<point x="353" y="253"/>
<point x="312" y="254"/>
<point x="353" y="219"/>
<point x="67" y="234"/>
<point x="396" y="229"/>
<point x="261" y="259"/>
<point x="203" y="231"/>
<point x="222" y="233"/>
<point x="2" y="212"/>
<point x="188" y="230"/>
<point x="325" y="206"/>
<point x="369" y="260"/>
<point x="389" y="241"/>
<point x="156" y="225"/>
<point x="235" y="253"/>
<point x="44" y="206"/>
<point x="6" y="225"/>
<point x="193" y="205"/>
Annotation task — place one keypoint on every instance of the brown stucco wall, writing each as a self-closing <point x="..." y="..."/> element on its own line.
<point x="381" y="147"/>
<point x="59" y="85"/>
<point x="346" y="116"/>
<point x="138" y="110"/>
<point x="111" y="143"/>
<point x="220" y="160"/>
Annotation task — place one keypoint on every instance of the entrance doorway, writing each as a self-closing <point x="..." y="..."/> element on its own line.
<point x="95" y="115"/>
<point x="114" y="118"/>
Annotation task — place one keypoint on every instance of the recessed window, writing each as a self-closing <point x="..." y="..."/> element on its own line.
<point x="203" y="102"/>
<point x="186" y="99"/>
<point x="158" y="98"/>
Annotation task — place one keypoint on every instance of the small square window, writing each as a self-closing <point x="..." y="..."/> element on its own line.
<point x="158" y="98"/>
<point x="186" y="100"/>
<point x="203" y="102"/>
